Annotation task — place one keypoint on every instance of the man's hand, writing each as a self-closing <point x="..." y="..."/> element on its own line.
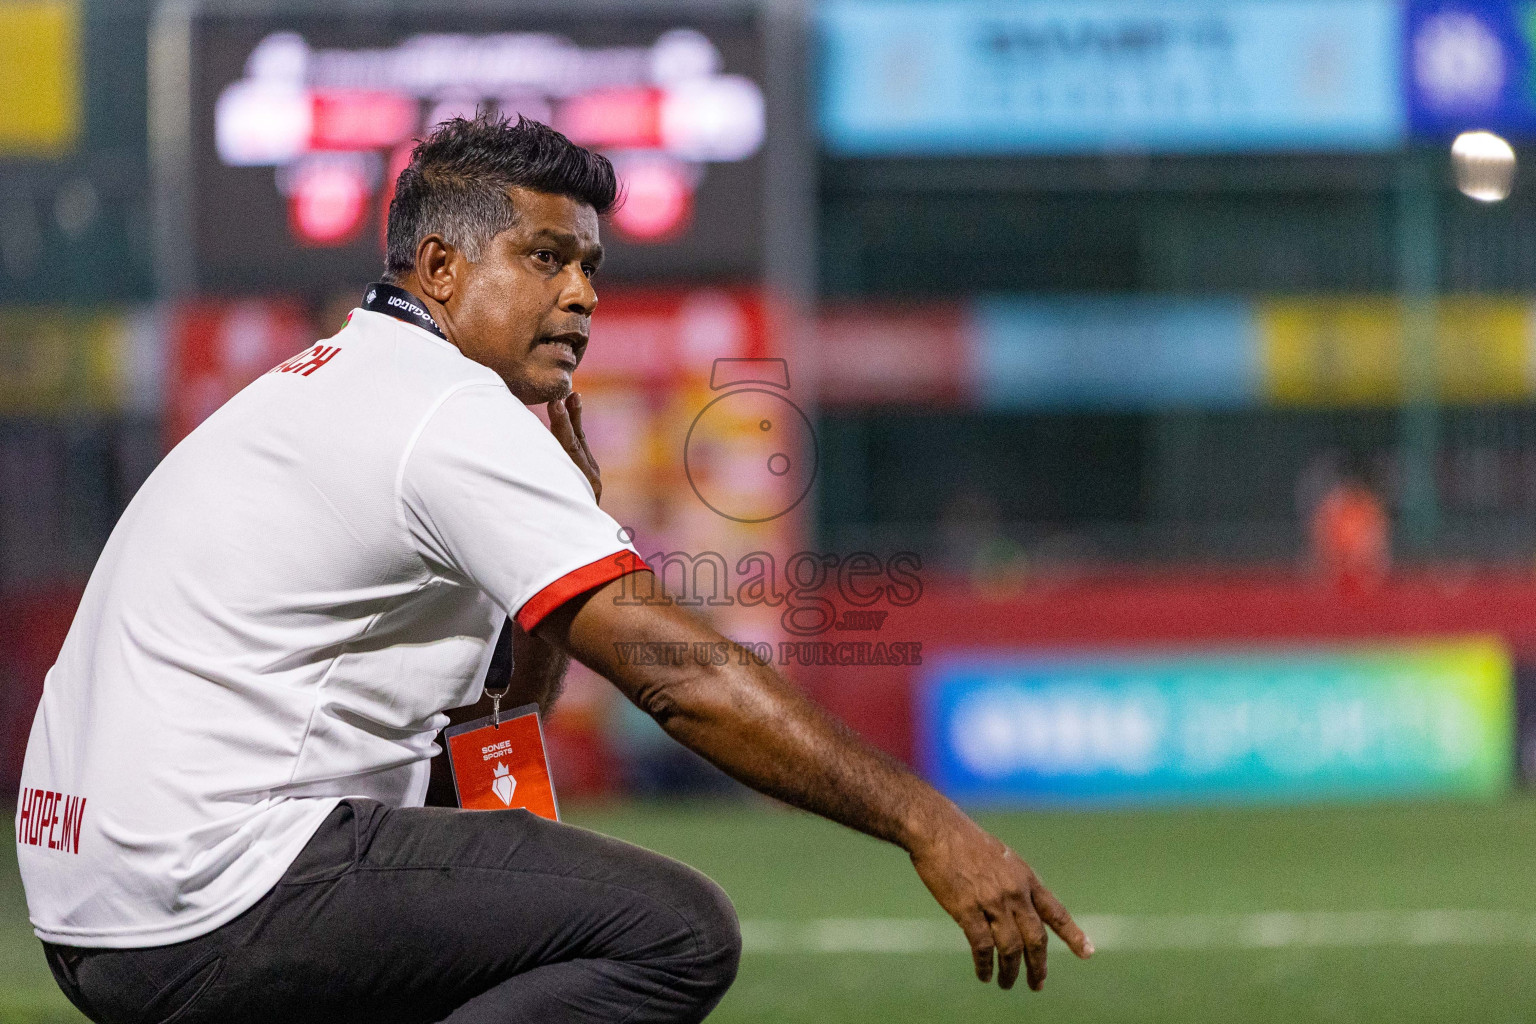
<point x="996" y="899"/>
<point x="565" y="424"/>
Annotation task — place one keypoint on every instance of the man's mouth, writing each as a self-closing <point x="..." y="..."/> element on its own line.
<point x="568" y="346"/>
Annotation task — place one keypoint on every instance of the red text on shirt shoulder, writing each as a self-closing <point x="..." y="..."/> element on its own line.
<point x="308" y="361"/>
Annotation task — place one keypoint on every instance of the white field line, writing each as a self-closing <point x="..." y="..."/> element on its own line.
<point x="1133" y="933"/>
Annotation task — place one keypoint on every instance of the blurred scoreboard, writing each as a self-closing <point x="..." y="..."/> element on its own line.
<point x="301" y="123"/>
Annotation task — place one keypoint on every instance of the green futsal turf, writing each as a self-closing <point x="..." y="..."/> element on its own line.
<point x="789" y="874"/>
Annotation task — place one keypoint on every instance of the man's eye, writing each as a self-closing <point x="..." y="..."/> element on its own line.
<point x="588" y="269"/>
<point x="545" y="256"/>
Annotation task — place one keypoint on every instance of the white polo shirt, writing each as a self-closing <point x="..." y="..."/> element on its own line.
<point x="280" y="619"/>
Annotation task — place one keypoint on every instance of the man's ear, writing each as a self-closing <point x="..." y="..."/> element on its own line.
<point x="437" y="268"/>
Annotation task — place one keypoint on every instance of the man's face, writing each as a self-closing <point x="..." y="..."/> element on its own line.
<point x="525" y="308"/>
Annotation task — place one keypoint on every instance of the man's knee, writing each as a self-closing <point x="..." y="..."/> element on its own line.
<point x="711" y="955"/>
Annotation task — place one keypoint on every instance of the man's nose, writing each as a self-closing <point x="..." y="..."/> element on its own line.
<point x="578" y="295"/>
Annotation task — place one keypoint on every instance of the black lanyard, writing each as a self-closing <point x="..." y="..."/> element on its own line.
<point x="394" y="301"/>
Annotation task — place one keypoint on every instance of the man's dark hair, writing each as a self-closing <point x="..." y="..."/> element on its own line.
<point x="456" y="183"/>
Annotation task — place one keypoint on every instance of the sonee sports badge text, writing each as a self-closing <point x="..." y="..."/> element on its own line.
<point x="502" y="766"/>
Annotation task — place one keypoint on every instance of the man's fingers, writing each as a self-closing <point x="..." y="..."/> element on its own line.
<point x="573" y="406"/>
<point x="1054" y="914"/>
<point x="1010" y="947"/>
<point x="979" y="934"/>
<point x="565" y="432"/>
<point x="1005" y="912"/>
<point x="560" y="424"/>
<point x="565" y="424"/>
<point x="1034" y="942"/>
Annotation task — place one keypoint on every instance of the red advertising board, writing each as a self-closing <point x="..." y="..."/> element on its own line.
<point x="33" y="624"/>
<point x="217" y="348"/>
<point x="893" y="355"/>
<point x="658" y="338"/>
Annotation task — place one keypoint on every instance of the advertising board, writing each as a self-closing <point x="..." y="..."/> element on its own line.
<point x="1140" y="352"/>
<point x="932" y="77"/>
<point x="1409" y="718"/>
<point x="1468" y="65"/>
<point x="1115" y="352"/>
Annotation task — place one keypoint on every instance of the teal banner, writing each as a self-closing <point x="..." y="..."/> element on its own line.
<point x="1415" y="718"/>
<point x="957" y="77"/>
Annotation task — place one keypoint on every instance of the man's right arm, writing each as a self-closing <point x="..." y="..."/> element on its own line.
<point x="757" y="728"/>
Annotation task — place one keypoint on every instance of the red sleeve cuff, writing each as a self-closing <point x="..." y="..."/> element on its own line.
<point x="575" y="583"/>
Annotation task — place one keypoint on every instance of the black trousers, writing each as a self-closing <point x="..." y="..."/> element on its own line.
<point x="422" y="915"/>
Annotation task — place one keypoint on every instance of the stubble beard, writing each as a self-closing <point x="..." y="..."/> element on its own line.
<point x="529" y="390"/>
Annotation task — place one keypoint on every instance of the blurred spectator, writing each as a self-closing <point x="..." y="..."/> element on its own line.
<point x="1351" y="534"/>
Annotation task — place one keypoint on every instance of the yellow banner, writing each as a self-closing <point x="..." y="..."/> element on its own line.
<point x="56" y="361"/>
<point x="1350" y="351"/>
<point x="39" y="77"/>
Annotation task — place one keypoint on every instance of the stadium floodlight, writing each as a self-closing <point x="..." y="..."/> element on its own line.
<point x="1484" y="165"/>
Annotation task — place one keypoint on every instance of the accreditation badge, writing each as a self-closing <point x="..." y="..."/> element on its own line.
<point x="498" y="763"/>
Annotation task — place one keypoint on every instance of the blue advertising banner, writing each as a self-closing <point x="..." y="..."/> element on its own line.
<point x="1469" y="67"/>
<point x="977" y="77"/>
<point x="1122" y="352"/>
<point x="1432" y="717"/>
